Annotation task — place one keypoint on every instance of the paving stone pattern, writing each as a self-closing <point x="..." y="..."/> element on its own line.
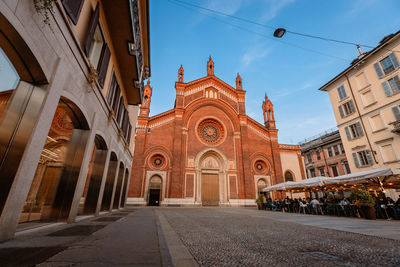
<point x="220" y="237"/>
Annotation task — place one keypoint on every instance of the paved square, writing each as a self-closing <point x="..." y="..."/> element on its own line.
<point x="246" y="237"/>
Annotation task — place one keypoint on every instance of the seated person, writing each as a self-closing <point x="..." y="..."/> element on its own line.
<point x="344" y="202"/>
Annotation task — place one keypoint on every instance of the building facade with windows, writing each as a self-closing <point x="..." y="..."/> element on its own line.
<point x="366" y="101"/>
<point x="325" y="155"/>
<point x="206" y="150"/>
<point x="71" y="80"/>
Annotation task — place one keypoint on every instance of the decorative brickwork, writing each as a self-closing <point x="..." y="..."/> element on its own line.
<point x="207" y="134"/>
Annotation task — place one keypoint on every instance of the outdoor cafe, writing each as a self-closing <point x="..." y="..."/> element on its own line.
<point x="368" y="194"/>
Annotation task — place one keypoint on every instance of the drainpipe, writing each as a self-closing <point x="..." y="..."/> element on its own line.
<point x="362" y="123"/>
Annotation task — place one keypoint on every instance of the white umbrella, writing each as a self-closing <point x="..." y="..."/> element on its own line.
<point x="277" y="187"/>
<point x="360" y="177"/>
<point x="311" y="182"/>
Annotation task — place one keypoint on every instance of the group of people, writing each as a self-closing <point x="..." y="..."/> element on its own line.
<point x="386" y="207"/>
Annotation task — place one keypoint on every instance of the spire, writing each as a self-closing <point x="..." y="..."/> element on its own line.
<point x="180" y="74"/>
<point x="145" y="107"/>
<point x="268" y="112"/>
<point x="239" y="85"/>
<point x="210" y="66"/>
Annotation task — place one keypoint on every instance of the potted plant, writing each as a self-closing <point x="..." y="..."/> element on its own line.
<point x="260" y="202"/>
<point x="365" y="201"/>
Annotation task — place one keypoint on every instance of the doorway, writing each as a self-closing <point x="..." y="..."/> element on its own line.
<point x="154" y="197"/>
<point x="209" y="189"/>
<point x="155" y="191"/>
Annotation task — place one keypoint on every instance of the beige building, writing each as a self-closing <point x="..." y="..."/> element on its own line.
<point x="71" y="78"/>
<point x="366" y="101"/>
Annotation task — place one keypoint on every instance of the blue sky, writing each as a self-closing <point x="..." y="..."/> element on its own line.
<point x="290" y="76"/>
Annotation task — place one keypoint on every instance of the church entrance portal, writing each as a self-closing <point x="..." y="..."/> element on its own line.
<point x="155" y="191"/>
<point x="209" y="189"/>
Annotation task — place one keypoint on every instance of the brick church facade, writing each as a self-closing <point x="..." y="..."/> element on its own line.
<point x="206" y="150"/>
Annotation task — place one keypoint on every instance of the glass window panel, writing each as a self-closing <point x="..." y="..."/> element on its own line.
<point x="8" y="75"/>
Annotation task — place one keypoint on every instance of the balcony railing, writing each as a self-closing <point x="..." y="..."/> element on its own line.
<point x="396" y="126"/>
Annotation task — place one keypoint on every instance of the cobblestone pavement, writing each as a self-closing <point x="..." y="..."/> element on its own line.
<point x="233" y="237"/>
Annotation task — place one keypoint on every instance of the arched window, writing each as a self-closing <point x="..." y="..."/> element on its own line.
<point x="288" y="176"/>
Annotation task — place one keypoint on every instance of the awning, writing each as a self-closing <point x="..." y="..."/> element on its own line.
<point x="380" y="177"/>
<point x="311" y="182"/>
<point x="277" y="187"/>
<point x="360" y="177"/>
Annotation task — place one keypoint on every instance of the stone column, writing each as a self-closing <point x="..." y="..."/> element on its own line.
<point x="115" y="185"/>
<point x="80" y="185"/>
<point x="103" y="181"/>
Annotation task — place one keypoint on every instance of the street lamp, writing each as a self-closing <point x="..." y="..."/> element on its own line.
<point x="278" y="33"/>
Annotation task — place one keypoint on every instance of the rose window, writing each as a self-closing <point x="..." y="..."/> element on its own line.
<point x="211" y="132"/>
<point x="157" y="161"/>
<point x="260" y="167"/>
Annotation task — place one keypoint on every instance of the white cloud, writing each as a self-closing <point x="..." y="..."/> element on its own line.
<point x="255" y="53"/>
<point x="229" y="7"/>
<point x="288" y="91"/>
<point x="273" y="7"/>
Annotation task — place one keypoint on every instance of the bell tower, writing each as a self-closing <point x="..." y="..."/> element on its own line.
<point x="180" y="74"/>
<point x="145" y="107"/>
<point x="210" y="67"/>
<point x="268" y="111"/>
<point x="239" y="85"/>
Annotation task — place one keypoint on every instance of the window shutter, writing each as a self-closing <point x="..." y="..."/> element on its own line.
<point x="120" y="112"/>
<point x="359" y="129"/>
<point x="103" y="66"/>
<point x="356" y="162"/>
<point x="341" y="111"/>
<point x="340" y="93"/>
<point x="369" y="158"/>
<point x="351" y="104"/>
<point x="393" y="85"/>
<point x="394" y="60"/>
<point x="378" y="70"/>
<point x="111" y="91"/>
<point x="94" y="20"/>
<point x="125" y="123"/>
<point x="129" y="133"/>
<point x="343" y="91"/>
<point x="347" y="133"/>
<point x="396" y="113"/>
<point x="386" y="88"/>
<point x="73" y="9"/>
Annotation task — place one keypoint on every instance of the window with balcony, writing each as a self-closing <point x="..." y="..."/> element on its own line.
<point x="341" y="92"/>
<point x="386" y="65"/>
<point x="396" y="112"/>
<point x="354" y="131"/>
<point x="346" y="109"/>
<point x="362" y="158"/>
<point x="321" y="171"/>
